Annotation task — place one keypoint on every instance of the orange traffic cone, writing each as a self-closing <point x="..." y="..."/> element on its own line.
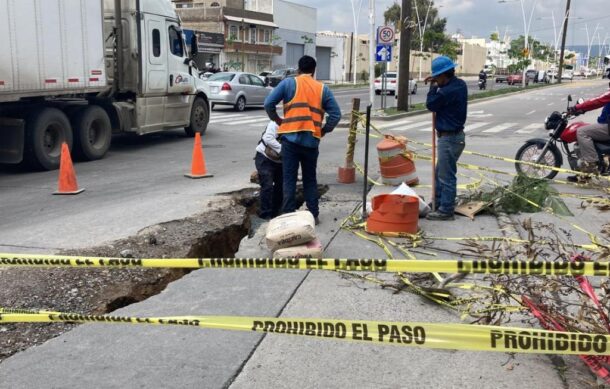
<point x="67" y="177"/>
<point x="198" y="169"/>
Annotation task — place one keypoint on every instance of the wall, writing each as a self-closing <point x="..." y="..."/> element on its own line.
<point x="472" y="60"/>
<point x="295" y="21"/>
<point x="337" y="44"/>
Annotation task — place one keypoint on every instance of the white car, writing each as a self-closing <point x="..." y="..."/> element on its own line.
<point x="567" y="75"/>
<point x="391" y="84"/>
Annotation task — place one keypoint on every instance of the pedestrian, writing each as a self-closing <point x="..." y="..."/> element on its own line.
<point x="268" y="163"/>
<point x="448" y="99"/>
<point x="305" y="103"/>
<point x="588" y="135"/>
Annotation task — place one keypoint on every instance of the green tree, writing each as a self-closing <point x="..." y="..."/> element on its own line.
<point x="494" y="37"/>
<point x="538" y="50"/>
<point x="392" y="16"/>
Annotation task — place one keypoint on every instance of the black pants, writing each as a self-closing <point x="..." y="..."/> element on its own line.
<point x="270" y="176"/>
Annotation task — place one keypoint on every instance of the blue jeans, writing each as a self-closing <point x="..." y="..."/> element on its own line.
<point x="294" y="155"/>
<point x="270" y="178"/>
<point x="449" y="150"/>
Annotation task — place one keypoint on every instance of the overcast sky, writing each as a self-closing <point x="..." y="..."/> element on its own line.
<point x="481" y="17"/>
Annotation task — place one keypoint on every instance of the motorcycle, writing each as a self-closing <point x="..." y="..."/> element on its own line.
<point x="547" y="152"/>
<point x="482" y="84"/>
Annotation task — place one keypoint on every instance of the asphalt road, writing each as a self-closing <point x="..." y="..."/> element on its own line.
<point x="141" y="182"/>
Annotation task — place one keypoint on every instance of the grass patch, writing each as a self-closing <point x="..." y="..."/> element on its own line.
<point x="347" y="86"/>
<point x="472" y="97"/>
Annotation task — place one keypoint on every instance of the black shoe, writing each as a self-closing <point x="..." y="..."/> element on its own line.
<point x="317" y="219"/>
<point x="440" y="216"/>
<point x="572" y="179"/>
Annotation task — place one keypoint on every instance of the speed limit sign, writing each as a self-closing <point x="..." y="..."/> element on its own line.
<point x="385" y="35"/>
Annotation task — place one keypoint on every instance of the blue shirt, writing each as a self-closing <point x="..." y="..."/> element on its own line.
<point x="285" y="91"/>
<point x="604" y="117"/>
<point x="450" y="102"/>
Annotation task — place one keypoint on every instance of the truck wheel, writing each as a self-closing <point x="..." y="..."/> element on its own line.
<point x="240" y="105"/>
<point x="200" y="116"/>
<point x="45" y="134"/>
<point x="93" y="133"/>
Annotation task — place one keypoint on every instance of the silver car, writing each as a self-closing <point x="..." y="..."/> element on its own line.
<point x="237" y="89"/>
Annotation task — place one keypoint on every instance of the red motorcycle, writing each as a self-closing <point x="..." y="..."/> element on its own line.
<point x="547" y="152"/>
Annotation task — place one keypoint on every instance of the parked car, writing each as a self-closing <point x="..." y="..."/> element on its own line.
<point x="265" y="76"/>
<point x="590" y="73"/>
<point x="542" y="77"/>
<point x="567" y="75"/>
<point x="501" y="75"/>
<point x="280" y="75"/>
<point x="532" y="75"/>
<point x="237" y="89"/>
<point x="552" y="74"/>
<point x="391" y="84"/>
<point x="517" y="79"/>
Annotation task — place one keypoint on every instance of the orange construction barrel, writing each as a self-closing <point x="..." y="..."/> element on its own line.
<point x="394" y="213"/>
<point x="395" y="162"/>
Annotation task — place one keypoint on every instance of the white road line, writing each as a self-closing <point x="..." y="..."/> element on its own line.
<point x="532" y="112"/>
<point x="499" y="128"/>
<point x="474" y="126"/>
<point x="412" y="126"/>
<point x="392" y="124"/>
<point x="529" y="129"/>
<point x="260" y="119"/>
<point x="549" y="104"/>
<point x="223" y="116"/>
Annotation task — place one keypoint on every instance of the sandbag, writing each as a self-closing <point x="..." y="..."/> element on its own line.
<point x="312" y="249"/>
<point x="291" y="229"/>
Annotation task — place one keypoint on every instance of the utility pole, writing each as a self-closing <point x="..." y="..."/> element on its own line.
<point x="404" y="56"/>
<point x="563" y="41"/>
<point x="372" y="46"/>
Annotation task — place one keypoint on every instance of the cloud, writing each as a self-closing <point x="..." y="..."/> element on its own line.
<point x="482" y="17"/>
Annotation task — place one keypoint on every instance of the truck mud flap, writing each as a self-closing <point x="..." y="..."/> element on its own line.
<point x="12" y="138"/>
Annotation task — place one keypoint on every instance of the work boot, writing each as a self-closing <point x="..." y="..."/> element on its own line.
<point x="317" y="219"/>
<point x="440" y="216"/>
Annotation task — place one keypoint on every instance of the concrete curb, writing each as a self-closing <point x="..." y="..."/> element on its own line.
<point x="421" y="112"/>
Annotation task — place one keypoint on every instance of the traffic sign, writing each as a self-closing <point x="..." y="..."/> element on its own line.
<point x="385" y="35"/>
<point x="384" y="53"/>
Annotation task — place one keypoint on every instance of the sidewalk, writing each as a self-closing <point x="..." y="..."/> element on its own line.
<point x="107" y="356"/>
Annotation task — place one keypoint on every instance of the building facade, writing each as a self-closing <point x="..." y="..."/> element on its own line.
<point x="247" y="28"/>
<point x="296" y="35"/>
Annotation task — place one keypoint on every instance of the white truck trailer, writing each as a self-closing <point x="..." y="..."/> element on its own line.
<point x="64" y="78"/>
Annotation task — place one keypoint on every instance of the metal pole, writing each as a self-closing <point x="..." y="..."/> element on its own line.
<point x="372" y="46"/>
<point x="354" y="41"/>
<point x="404" y="57"/>
<point x="243" y="37"/>
<point x="365" y="191"/>
<point x="563" y="40"/>
<point x="434" y="161"/>
<point x="118" y="26"/>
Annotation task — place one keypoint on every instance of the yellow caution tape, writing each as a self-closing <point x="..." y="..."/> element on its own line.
<point x="483" y="266"/>
<point x="410" y="334"/>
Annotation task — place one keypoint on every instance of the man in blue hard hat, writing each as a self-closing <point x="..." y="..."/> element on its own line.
<point x="448" y="98"/>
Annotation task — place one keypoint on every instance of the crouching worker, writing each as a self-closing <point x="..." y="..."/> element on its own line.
<point x="268" y="162"/>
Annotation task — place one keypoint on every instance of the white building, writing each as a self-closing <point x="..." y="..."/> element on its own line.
<point x="332" y="52"/>
<point x="296" y="33"/>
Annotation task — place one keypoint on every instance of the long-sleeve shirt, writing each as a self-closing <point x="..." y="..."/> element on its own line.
<point x="285" y="91"/>
<point x="450" y="102"/>
<point x="598" y="102"/>
<point x="269" y="138"/>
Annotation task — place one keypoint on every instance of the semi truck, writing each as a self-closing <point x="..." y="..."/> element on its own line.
<point x="79" y="71"/>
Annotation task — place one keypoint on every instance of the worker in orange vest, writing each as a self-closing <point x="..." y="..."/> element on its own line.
<point x="305" y="103"/>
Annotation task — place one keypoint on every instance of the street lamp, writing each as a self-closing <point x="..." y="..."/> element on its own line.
<point x="356" y="15"/>
<point x="557" y="34"/>
<point x="590" y="41"/>
<point x="526" y="28"/>
<point x="422" y="31"/>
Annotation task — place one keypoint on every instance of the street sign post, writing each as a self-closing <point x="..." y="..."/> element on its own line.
<point x="383" y="53"/>
<point x="385" y="35"/>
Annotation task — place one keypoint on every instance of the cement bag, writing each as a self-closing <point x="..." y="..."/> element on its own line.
<point x="405" y="190"/>
<point x="312" y="249"/>
<point x="291" y="229"/>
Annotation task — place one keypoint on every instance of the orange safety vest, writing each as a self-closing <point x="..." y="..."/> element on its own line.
<point x="304" y="112"/>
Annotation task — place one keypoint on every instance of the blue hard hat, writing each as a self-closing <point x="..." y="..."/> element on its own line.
<point x="441" y="64"/>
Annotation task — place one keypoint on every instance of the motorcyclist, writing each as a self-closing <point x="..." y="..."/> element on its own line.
<point x="483" y="75"/>
<point x="588" y="135"/>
